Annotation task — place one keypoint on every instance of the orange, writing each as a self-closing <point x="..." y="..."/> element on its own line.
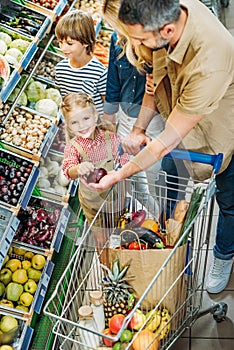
<point x="150" y="224"/>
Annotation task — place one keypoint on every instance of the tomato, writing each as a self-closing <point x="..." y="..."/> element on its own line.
<point x="136" y="246"/>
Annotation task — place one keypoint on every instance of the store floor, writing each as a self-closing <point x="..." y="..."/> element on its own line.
<point x="206" y="333"/>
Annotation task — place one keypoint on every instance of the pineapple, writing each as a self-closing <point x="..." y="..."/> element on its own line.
<point x="118" y="297"/>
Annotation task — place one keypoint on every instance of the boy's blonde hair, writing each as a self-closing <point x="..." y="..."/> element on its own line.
<point x="141" y="56"/>
<point x="80" y="99"/>
<point x="77" y="25"/>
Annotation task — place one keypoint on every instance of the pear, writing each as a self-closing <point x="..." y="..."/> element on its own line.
<point x="26" y="299"/>
<point x="20" y="276"/>
<point x="14" y="291"/>
<point x="26" y="264"/>
<point x="5" y="275"/>
<point x="34" y="274"/>
<point x="8" y="323"/>
<point x="13" y="264"/>
<point x="38" y="261"/>
<point x="2" y="288"/>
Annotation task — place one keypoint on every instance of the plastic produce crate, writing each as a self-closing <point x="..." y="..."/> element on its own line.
<point x="18" y="178"/>
<point x="50" y="11"/>
<point x="10" y="301"/>
<point x="8" y="225"/>
<point x="24" y="20"/>
<point x="28" y="133"/>
<point x="42" y="225"/>
<point x="15" y="66"/>
<point x="21" y="337"/>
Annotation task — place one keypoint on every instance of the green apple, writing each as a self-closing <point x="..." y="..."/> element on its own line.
<point x="5" y="302"/>
<point x="6" y="259"/>
<point x="30" y="286"/>
<point x="38" y="261"/>
<point x="8" y="323"/>
<point x="5" y="275"/>
<point x="13" y="264"/>
<point x="19" y="251"/>
<point x="20" y="276"/>
<point x="26" y="299"/>
<point x="26" y="264"/>
<point x="34" y="274"/>
<point x="14" y="291"/>
<point x="22" y="307"/>
<point x="2" y="289"/>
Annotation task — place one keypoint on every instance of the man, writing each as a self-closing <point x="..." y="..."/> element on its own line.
<point x="193" y="67"/>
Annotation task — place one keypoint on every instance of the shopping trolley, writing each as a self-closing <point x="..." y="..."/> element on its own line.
<point x="84" y="272"/>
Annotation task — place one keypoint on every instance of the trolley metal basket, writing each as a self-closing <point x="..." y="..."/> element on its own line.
<point x="84" y="272"/>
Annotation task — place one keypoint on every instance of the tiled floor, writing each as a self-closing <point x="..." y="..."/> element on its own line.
<point x="206" y="333"/>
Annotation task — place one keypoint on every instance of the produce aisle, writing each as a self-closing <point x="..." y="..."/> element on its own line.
<point x="40" y="217"/>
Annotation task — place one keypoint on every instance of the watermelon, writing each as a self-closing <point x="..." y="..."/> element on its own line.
<point x="4" y="69"/>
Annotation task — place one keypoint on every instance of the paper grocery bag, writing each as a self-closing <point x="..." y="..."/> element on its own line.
<point x="168" y="287"/>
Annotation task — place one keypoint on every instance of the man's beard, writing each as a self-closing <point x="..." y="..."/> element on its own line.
<point x="160" y="44"/>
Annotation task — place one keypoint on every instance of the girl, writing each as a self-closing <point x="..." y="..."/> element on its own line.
<point x="80" y="70"/>
<point x="90" y="144"/>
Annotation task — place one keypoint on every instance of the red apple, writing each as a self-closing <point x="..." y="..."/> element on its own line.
<point x="137" y="320"/>
<point x="96" y="175"/>
<point x="107" y="342"/>
<point x="115" y="323"/>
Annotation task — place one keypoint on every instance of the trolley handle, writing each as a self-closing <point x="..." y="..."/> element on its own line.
<point x="213" y="159"/>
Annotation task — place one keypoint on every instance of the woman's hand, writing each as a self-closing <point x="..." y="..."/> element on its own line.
<point x="133" y="142"/>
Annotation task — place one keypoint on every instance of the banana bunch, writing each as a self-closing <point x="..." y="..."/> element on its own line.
<point x="154" y="320"/>
<point x="165" y="325"/>
<point x="123" y="220"/>
<point x="158" y="322"/>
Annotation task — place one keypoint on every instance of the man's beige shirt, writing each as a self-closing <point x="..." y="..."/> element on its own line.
<point x="198" y="79"/>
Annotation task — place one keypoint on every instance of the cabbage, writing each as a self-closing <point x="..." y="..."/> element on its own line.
<point x="3" y="47"/>
<point x="54" y="95"/>
<point x="13" y="56"/>
<point x="47" y="106"/>
<point x="20" y="44"/>
<point x="22" y="100"/>
<point x="35" y="91"/>
<point x="23" y="79"/>
<point x="6" y="38"/>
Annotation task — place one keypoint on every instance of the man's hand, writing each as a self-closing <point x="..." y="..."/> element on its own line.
<point x="106" y="182"/>
<point x="132" y="142"/>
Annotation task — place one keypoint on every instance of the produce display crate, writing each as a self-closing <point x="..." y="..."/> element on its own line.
<point x="46" y="68"/>
<point x="41" y="277"/>
<point x="18" y="174"/>
<point x="52" y="183"/>
<point x="24" y="20"/>
<point x="19" y="339"/>
<point x="8" y="225"/>
<point x="15" y="69"/>
<point x="50" y="13"/>
<point x="42" y="225"/>
<point x="30" y="142"/>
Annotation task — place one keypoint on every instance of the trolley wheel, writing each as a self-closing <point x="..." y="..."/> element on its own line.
<point x="224" y="3"/>
<point x="220" y="311"/>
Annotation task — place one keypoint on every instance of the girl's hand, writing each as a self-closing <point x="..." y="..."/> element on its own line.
<point x="85" y="168"/>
